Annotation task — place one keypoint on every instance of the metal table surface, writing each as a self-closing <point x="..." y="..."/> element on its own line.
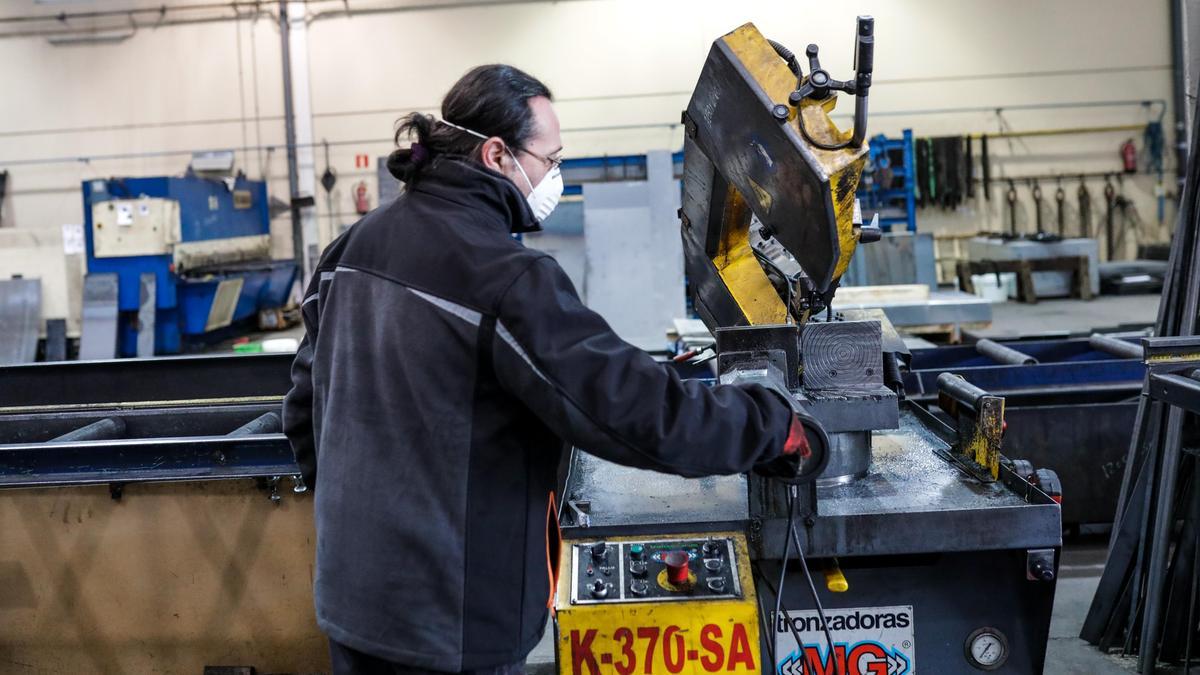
<point x="908" y="476"/>
<point x="942" y="307"/>
<point x="912" y="501"/>
<point x="622" y="497"/>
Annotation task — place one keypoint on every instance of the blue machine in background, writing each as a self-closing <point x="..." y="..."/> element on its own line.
<point x="201" y="244"/>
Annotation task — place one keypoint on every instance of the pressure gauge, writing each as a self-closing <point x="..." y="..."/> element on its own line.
<point x="987" y="649"/>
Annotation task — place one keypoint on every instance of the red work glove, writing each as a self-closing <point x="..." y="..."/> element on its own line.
<point x="797" y="440"/>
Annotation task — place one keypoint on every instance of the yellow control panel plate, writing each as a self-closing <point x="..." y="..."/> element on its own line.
<point x="696" y="631"/>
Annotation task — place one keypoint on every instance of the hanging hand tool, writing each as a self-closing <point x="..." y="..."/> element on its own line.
<point x="1126" y="222"/>
<point x="986" y="167"/>
<point x="1109" y="199"/>
<point x="1059" y="197"/>
<point x="924" y="189"/>
<point x="970" y="161"/>
<point x="1036" y="191"/>
<point x="1011" y="197"/>
<point x="1085" y="209"/>
<point x="328" y="180"/>
<point x="3" y="189"/>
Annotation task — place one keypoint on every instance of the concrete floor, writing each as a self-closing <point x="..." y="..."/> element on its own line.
<point x="1079" y="572"/>
<point x="1107" y="313"/>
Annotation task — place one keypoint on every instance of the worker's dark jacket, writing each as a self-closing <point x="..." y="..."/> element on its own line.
<point x="444" y="366"/>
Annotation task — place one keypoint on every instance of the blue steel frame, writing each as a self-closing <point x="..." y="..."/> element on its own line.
<point x="1061" y="363"/>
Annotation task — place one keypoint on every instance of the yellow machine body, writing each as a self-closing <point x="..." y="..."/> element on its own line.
<point x="740" y="160"/>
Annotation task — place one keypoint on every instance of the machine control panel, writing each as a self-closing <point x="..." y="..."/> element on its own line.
<point x="129" y="227"/>
<point x="654" y="570"/>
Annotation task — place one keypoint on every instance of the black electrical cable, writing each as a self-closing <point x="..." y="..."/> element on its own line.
<point x="790" y="537"/>
<point x="813" y="141"/>
<point x="767" y="629"/>
<point x="787" y="546"/>
<point x="793" y="65"/>
<point x="812" y="588"/>
<point x="787" y="55"/>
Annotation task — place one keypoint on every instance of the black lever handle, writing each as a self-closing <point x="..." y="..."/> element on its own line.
<point x="819" y="85"/>
<point x="864" y="65"/>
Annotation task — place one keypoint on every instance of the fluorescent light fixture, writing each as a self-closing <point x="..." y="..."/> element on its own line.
<point x="92" y="37"/>
<point x="220" y="161"/>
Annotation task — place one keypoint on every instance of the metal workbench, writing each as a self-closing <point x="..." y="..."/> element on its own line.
<point x="912" y="496"/>
<point x="917" y="534"/>
<point x="181" y="418"/>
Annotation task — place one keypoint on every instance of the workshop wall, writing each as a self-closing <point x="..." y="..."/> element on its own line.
<point x="136" y="108"/>
<point x="621" y="69"/>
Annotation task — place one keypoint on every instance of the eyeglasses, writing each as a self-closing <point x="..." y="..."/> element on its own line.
<point x="554" y="162"/>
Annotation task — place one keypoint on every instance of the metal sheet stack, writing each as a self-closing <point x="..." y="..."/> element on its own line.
<point x="1146" y="602"/>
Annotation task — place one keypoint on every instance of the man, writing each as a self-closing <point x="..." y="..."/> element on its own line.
<point x="443" y="369"/>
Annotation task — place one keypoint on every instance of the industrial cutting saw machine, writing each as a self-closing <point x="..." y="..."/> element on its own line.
<point x="917" y="549"/>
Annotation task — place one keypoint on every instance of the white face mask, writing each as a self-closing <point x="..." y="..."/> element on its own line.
<point x="542" y="197"/>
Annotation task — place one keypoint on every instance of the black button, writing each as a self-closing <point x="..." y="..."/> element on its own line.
<point x="599" y="551"/>
<point x="716" y="585"/>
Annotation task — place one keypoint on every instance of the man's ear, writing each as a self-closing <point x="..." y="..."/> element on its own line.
<point x="492" y="153"/>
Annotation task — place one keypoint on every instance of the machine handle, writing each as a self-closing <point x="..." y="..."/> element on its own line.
<point x="959" y="390"/>
<point x="820" y="85"/>
<point x="864" y="65"/>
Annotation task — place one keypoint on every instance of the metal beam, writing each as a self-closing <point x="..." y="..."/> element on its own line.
<point x="1177" y="390"/>
<point x="185" y="380"/>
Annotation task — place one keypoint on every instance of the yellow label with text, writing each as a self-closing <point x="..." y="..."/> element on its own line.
<point x="652" y="637"/>
<point x="660" y="637"/>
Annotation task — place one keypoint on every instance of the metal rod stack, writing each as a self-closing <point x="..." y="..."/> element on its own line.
<point x="1147" y="599"/>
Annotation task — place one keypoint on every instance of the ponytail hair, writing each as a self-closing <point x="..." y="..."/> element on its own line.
<point x="492" y="100"/>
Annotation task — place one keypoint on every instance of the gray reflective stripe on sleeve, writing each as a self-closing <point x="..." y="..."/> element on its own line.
<point x="516" y="347"/>
<point x="325" y="276"/>
<point x="466" y="314"/>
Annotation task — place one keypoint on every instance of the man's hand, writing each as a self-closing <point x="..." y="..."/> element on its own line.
<point x="804" y="455"/>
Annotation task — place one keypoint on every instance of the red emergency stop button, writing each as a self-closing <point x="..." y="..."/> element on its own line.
<point x="677" y="567"/>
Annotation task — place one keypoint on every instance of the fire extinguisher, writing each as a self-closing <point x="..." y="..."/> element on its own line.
<point x="1129" y="156"/>
<point x="361" y="203"/>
